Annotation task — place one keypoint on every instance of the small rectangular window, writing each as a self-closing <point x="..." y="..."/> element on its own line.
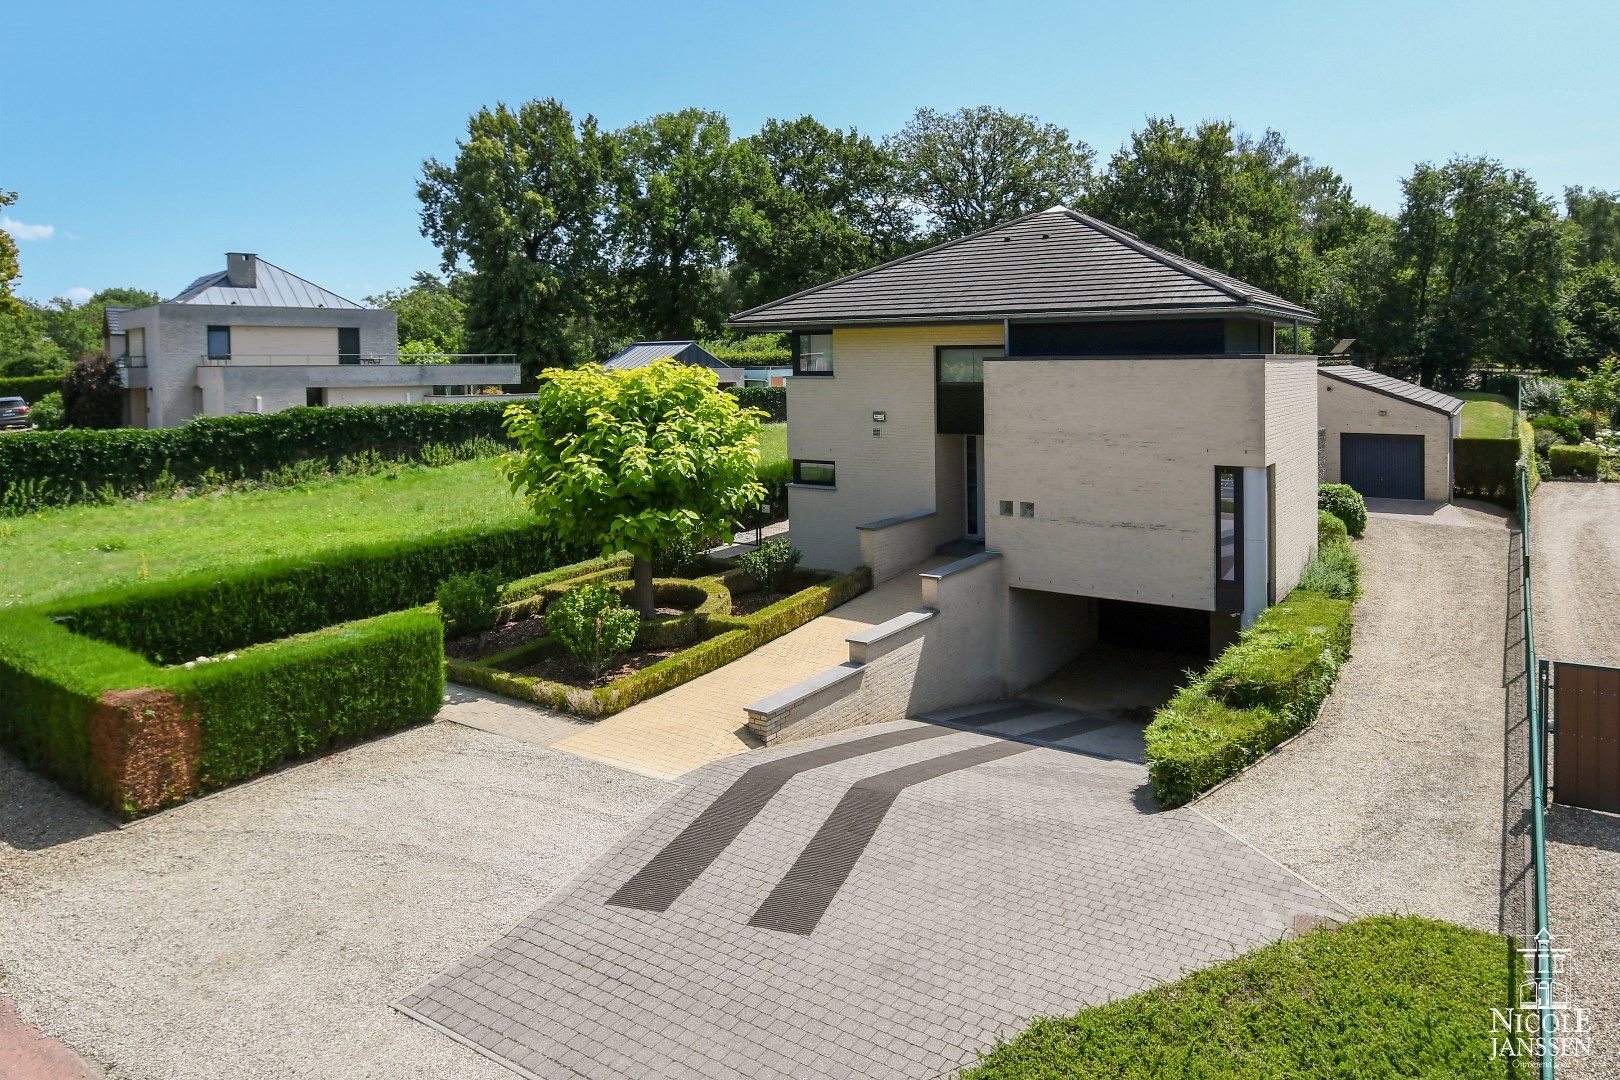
<point x="219" y="343"/>
<point x="815" y="473"/>
<point x="814" y="355"/>
<point x="1026" y="509"/>
<point x="1005" y="508"/>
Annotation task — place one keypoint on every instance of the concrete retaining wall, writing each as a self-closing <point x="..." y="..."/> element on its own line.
<point x="945" y="653"/>
<point x="895" y="543"/>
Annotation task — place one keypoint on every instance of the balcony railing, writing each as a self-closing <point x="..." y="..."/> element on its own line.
<point x="129" y="360"/>
<point x="335" y="359"/>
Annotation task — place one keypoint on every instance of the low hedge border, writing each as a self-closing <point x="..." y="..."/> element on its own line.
<point x="30" y="387"/>
<point x="134" y="737"/>
<point x="1259" y="692"/>
<point x="1575" y="460"/>
<point x="727" y="638"/>
<point x="328" y="649"/>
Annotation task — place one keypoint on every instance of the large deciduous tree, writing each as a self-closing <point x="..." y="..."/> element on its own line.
<point x="1594" y="223"/>
<point x="678" y="184"/>
<point x="431" y="314"/>
<point x="1478" y="260"/>
<point x="821" y="203"/>
<point x="1590" y="308"/>
<point x="1243" y="206"/>
<point x="977" y="167"/>
<point x="523" y="205"/>
<point x="634" y="460"/>
<point x="10" y="268"/>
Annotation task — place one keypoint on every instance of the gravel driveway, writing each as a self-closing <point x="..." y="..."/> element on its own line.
<point x="1393" y="799"/>
<point x="1575" y="559"/>
<point x="266" y="930"/>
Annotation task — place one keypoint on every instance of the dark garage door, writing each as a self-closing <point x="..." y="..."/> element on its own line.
<point x="1383" y="466"/>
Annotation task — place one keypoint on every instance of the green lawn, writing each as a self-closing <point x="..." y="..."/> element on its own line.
<point x="1382" y="998"/>
<point x="57" y="552"/>
<point x="773" y="444"/>
<point x="1485" y="416"/>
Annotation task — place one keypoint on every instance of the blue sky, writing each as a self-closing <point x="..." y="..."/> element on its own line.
<point x="148" y="139"/>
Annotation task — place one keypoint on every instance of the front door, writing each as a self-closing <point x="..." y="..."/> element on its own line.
<point x="973" y="486"/>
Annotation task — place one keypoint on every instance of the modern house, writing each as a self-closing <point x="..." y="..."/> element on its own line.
<point x="1112" y="423"/>
<point x="256" y="338"/>
<point x="1385" y="437"/>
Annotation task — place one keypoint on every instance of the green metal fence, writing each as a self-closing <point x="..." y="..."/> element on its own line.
<point x="1537" y="721"/>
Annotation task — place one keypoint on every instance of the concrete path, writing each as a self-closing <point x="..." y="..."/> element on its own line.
<point x="703" y="720"/>
<point x="1394" y="799"/>
<point x="883" y="902"/>
<point x="264" y="931"/>
<point x="1575" y="558"/>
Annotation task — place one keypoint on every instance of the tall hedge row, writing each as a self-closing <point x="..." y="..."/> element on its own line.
<point x="30" y="387"/>
<point x="1486" y="469"/>
<point x="77" y="463"/>
<point x="773" y="399"/>
<point x="180" y="618"/>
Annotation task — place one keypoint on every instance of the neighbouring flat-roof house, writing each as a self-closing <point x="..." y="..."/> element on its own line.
<point x="1111" y="422"/>
<point x="256" y="338"/>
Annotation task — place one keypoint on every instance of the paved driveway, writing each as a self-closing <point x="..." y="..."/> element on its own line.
<point x="1575" y="555"/>
<point x="265" y="930"/>
<point x="1394" y="798"/>
<point x="883" y="902"/>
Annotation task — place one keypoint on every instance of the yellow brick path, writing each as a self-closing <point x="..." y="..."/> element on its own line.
<point x="703" y="720"/>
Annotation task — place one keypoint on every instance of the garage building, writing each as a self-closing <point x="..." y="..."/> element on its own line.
<point x="1386" y="438"/>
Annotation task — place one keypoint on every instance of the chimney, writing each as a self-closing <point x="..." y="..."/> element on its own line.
<point x="241" y="270"/>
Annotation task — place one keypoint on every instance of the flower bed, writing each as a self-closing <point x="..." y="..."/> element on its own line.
<point x="141" y="697"/>
<point x="707" y="638"/>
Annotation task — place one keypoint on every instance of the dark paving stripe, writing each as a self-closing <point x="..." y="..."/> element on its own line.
<point x="802" y="897"/>
<point x="657" y="885"/>
<point x="1006" y="712"/>
<point x="1068" y="729"/>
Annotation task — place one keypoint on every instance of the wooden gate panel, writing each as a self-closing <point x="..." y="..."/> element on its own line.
<point x="1586" y="759"/>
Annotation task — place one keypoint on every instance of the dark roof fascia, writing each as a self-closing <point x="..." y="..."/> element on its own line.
<point x="1093" y="315"/>
<point x="1327" y="369"/>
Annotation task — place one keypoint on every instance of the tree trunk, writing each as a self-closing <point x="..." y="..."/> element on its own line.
<point x="642" y="572"/>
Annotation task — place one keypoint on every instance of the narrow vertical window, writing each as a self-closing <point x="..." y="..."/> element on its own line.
<point x="1228" y="539"/>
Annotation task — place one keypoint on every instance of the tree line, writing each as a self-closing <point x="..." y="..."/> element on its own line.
<point x="562" y="240"/>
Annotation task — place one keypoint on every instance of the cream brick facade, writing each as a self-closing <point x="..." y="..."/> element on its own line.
<point x="888" y="370"/>
<point x="1290" y="383"/>
<point x="1118" y="458"/>
<point x="1342" y="407"/>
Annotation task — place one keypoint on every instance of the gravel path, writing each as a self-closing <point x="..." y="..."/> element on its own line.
<point x="1393" y="800"/>
<point x="267" y="930"/>
<point x="1575" y="559"/>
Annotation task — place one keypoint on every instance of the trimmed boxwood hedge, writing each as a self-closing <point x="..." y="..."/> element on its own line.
<point x="1256" y="694"/>
<point x="1575" y="460"/>
<point x="773" y="399"/>
<point x="327" y="649"/>
<point x="724" y="638"/>
<point x="78" y="464"/>
<point x="1486" y="469"/>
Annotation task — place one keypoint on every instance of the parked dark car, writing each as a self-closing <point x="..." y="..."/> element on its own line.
<point x="13" y="412"/>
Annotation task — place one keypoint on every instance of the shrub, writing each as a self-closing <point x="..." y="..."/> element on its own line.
<point x="1258" y="692"/>
<point x="47" y="413"/>
<point x="771" y="565"/>
<point x="92" y="393"/>
<point x="772" y="399"/>
<point x="1335" y="572"/>
<point x="776" y="475"/>
<point x="683" y="557"/>
<point x="467" y="603"/>
<point x="1329" y="529"/>
<point x="1543" y="396"/>
<point x="1566" y="427"/>
<point x="31" y="388"/>
<point x="76" y="465"/>
<point x="593" y="625"/>
<point x="1345" y="503"/>
<point x="1575" y="460"/>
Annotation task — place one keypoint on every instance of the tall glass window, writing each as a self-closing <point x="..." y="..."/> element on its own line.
<point x="1228" y="538"/>
<point x="963" y="365"/>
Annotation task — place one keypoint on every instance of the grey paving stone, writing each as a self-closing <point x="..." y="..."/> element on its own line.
<point x="1030" y="885"/>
